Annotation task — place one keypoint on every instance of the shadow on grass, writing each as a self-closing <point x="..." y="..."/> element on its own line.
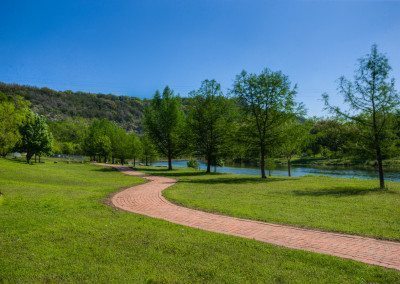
<point x="235" y="180"/>
<point x="104" y="169"/>
<point x="214" y="178"/>
<point x="18" y="161"/>
<point x="173" y="173"/>
<point x="342" y="192"/>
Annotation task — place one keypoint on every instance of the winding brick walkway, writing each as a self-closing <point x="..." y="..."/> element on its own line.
<point x="146" y="199"/>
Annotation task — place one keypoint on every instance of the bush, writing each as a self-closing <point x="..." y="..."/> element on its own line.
<point x="194" y="164"/>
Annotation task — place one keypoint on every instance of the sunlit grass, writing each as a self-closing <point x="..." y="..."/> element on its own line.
<point x="55" y="227"/>
<point x="344" y="205"/>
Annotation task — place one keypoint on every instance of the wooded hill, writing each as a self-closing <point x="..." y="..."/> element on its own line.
<point x="59" y="105"/>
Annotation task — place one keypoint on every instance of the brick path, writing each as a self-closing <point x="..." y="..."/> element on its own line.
<point x="146" y="199"/>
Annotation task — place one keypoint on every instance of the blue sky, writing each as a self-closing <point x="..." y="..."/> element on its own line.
<point x="135" y="47"/>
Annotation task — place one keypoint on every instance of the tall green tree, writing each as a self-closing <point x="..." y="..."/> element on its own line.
<point x="98" y="142"/>
<point x="149" y="152"/>
<point x="13" y="111"/>
<point x="69" y="135"/>
<point x="210" y="121"/>
<point x="120" y="145"/>
<point x="135" y="147"/>
<point x="292" y="140"/>
<point x="36" y="137"/>
<point x="164" y="123"/>
<point x="267" y="101"/>
<point x="372" y="99"/>
<point x="102" y="146"/>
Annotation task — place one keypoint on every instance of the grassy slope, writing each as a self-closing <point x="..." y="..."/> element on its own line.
<point x="54" y="227"/>
<point x="344" y="205"/>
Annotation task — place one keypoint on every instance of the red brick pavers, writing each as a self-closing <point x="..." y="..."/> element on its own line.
<point x="146" y="199"/>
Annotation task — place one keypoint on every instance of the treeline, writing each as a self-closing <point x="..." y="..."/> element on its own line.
<point x="60" y="105"/>
<point x="258" y="121"/>
<point x="261" y="120"/>
<point x="21" y="129"/>
<point x="102" y="140"/>
<point x="25" y="131"/>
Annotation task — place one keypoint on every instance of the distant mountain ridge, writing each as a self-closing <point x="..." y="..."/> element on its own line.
<point x="59" y="105"/>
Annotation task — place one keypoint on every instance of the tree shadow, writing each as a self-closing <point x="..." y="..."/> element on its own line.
<point x="17" y="160"/>
<point x="342" y="191"/>
<point x="105" y="169"/>
<point x="151" y="169"/>
<point x="235" y="180"/>
<point x="174" y="172"/>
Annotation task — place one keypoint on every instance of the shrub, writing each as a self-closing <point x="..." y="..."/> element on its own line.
<point x="194" y="164"/>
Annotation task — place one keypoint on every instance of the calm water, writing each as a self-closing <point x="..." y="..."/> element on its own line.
<point x="298" y="171"/>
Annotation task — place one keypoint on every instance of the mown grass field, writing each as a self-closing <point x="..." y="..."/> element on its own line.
<point x="55" y="227"/>
<point x="343" y="205"/>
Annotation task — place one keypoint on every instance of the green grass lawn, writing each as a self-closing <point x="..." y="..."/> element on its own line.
<point x="332" y="204"/>
<point x="54" y="226"/>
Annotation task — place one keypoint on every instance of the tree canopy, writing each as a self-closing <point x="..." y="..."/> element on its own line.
<point x="164" y="123"/>
<point x="210" y="121"/>
<point x="267" y="101"/>
<point x="372" y="100"/>
<point x="36" y="137"/>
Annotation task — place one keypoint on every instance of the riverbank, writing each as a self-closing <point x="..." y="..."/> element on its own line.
<point x="351" y="172"/>
<point x="389" y="164"/>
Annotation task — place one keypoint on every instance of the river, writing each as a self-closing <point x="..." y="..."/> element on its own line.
<point x="297" y="171"/>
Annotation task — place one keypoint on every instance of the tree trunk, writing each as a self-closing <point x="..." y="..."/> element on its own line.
<point x="28" y="157"/>
<point x="35" y="159"/>
<point x="169" y="163"/>
<point x="147" y="161"/>
<point x="262" y="163"/>
<point x="269" y="172"/>
<point x="380" y="167"/>
<point x="289" y="168"/>
<point x="113" y="159"/>
<point x="39" y="159"/>
<point x="208" y="165"/>
<point x="134" y="162"/>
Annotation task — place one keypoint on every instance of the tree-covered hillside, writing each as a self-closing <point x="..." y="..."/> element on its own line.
<point x="59" y="105"/>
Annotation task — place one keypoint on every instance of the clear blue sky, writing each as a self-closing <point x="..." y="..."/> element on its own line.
<point x="135" y="47"/>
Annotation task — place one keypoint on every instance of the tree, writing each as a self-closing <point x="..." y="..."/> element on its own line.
<point x="148" y="150"/>
<point x="292" y="139"/>
<point x="270" y="165"/>
<point x="13" y="112"/>
<point x="331" y="135"/>
<point x="98" y="141"/>
<point x="102" y="146"/>
<point x="164" y="124"/>
<point x="69" y="135"/>
<point x="135" y="147"/>
<point x="209" y="121"/>
<point x="36" y="137"/>
<point x="371" y="99"/>
<point x="267" y="101"/>
<point x="119" y="143"/>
